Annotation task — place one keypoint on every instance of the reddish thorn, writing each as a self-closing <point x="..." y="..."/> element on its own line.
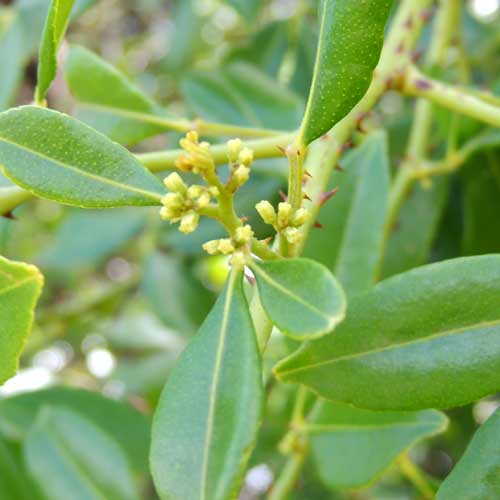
<point x="360" y="119"/>
<point x="283" y="196"/>
<point x="307" y="197"/>
<point x="389" y="83"/>
<point x="9" y="215"/>
<point x="267" y="240"/>
<point x="282" y="149"/>
<point x="347" y="145"/>
<point x="339" y="168"/>
<point x="324" y="197"/>
<point x="423" y="84"/>
<point x="307" y="173"/>
<point x="245" y="218"/>
<point x="395" y="227"/>
<point x="324" y="137"/>
<point x="250" y="279"/>
<point x="318" y="225"/>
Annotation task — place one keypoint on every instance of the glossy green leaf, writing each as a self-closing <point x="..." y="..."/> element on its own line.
<point x="55" y="28"/>
<point x="241" y="94"/>
<point x="415" y="231"/>
<point x="477" y="475"/>
<point x="87" y="237"/>
<point x="177" y="298"/>
<point x="353" y="447"/>
<point x="210" y="410"/>
<point x="70" y="458"/>
<point x="20" y="288"/>
<point x="129" y="428"/>
<point x="14" y="482"/>
<point x="428" y="338"/>
<point x="108" y="101"/>
<point x="351" y="238"/>
<point x="301" y="297"/>
<point x="350" y="42"/>
<point x="61" y="159"/>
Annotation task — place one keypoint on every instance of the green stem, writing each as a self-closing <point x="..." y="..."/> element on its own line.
<point x="288" y="478"/>
<point x="451" y="97"/>
<point x="184" y="125"/>
<point x="11" y="197"/>
<point x="416" y="477"/>
<point x="262" y="148"/>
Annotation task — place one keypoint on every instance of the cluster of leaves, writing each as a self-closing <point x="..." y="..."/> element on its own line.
<point x="390" y="316"/>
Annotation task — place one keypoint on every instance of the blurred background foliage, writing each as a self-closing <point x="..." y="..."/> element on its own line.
<point x="125" y="292"/>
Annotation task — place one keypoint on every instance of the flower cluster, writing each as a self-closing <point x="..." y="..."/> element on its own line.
<point x="183" y="204"/>
<point x="286" y="222"/>
<point x="227" y="246"/>
<point x="197" y="157"/>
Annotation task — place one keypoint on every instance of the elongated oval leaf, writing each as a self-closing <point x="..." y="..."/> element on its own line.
<point x="429" y="338"/>
<point x="59" y="158"/>
<point x="20" y="287"/>
<point x="129" y="428"/>
<point x="477" y="475"/>
<point x="210" y="410"/>
<point x="301" y="297"/>
<point x="70" y="458"/>
<point x="55" y="27"/>
<point x="350" y="41"/>
<point x="353" y="447"/>
<point x="351" y="238"/>
<point x="108" y="101"/>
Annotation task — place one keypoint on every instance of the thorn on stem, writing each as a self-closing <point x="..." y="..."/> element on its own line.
<point x="307" y="197"/>
<point x="339" y="168"/>
<point x="324" y="197"/>
<point x="318" y="225"/>
<point x="283" y="196"/>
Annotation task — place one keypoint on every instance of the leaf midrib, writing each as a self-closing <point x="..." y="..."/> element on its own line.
<point x="347" y="357"/>
<point x="16" y="285"/>
<point x="296" y="298"/>
<point x="83" y="173"/>
<point x="215" y="382"/>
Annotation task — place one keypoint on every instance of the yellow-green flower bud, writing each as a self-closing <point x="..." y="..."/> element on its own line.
<point x="214" y="191"/>
<point x="204" y="200"/>
<point x="284" y="211"/>
<point x="234" y="147"/>
<point x="175" y="183"/>
<point x="292" y="235"/>
<point x="167" y="213"/>
<point x="243" y="234"/>
<point x="194" y="191"/>
<point x="192" y="136"/>
<point x="245" y="157"/>
<point x="211" y="247"/>
<point x="226" y="247"/>
<point x="266" y="211"/>
<point x="189" y="222"/>
<point x="241" y="175"/>
<point x="300" y="217"/>
<point x="174" y="201"/>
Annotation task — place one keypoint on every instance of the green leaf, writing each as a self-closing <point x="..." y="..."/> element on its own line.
<point x="177" y="298"/>
<point x="14" y="482"/>
<point x="210" y="410"/>
<point x="70" y="458"/>
<point x="411" y="241"/>
<point x="20" y="288"/>
<point x="429" y="338"/>
<point x="241" y="94"/>
<point x="87" y="238"/>
<point x="108" y="101"/>
<point x="301" y="297"/>
<point x="53" y="33"/>
<point x="123" y="423"/>
<point x="353" y="447"/>
<point x="350" y="42"/>
<point x="477" y="475"/>
<point x="59" y="158"/>
<point x="350" y="242"/>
